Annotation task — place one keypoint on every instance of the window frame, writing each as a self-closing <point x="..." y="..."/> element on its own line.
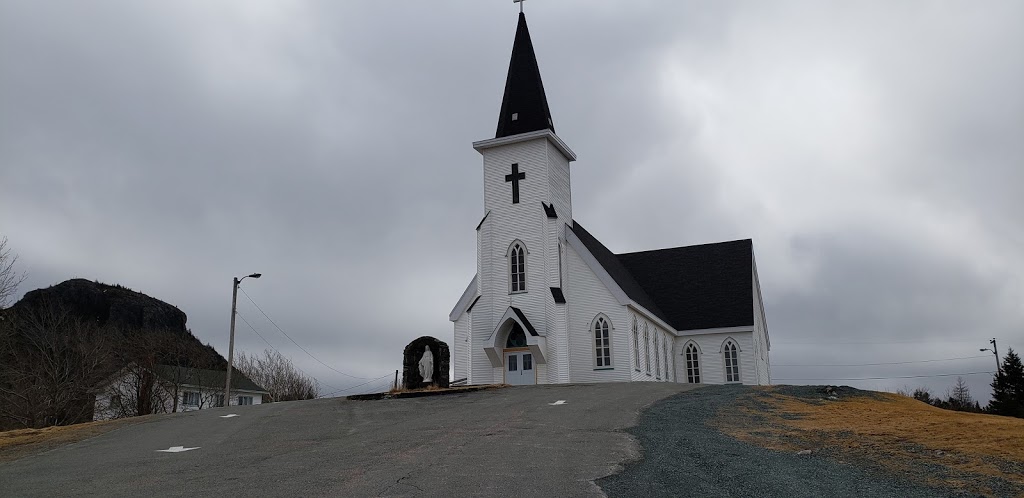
<point x="609" y="331"/>
<point x="657" y="355"/>
<point x="636" y="344"/>
<point x="732" y="371"/>
<point x="517" y="248"/>
<point x="665" y="354"/>
<point x="241" y="398"/>
<point x="692" y="365"/>
<point x="647" y="348"/>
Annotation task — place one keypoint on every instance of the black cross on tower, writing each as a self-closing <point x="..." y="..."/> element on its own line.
<point x="514" y="178"/>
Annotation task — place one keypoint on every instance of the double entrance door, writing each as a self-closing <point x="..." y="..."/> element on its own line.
<point x="519" y="368"/>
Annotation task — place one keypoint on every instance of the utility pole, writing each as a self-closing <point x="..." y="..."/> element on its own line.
<point x="231" y="343"/>
<point x="995" y="351"/>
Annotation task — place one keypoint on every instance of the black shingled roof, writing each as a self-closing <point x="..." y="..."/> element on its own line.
<point x="694" y="287"/>
<point x="524" y="90"/>
<point x="526" y="322"/>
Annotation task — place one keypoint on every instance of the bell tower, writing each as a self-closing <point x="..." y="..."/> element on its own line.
<point x="527" y="204"/>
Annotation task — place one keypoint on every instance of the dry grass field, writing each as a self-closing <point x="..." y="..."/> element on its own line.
<point x="972" y="452"/>
<point x="21" y="442"/>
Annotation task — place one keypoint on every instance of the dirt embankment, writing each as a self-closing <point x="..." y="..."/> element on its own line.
<point x="19" y="443"/>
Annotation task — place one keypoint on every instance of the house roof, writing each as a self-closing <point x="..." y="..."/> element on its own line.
<point x="213" y="379"/>
<point x="524" y="97"/>
<point x="690" y="288"/>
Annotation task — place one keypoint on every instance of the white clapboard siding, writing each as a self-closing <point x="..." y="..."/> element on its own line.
<point x="712" y="361"/>
<point x="560" y="188"/>
<point x="587" y="297"/>
<point x="526" y="222"/>
<point x="761" y="356"/>
<point x="657" y="338"/>
<point x="460" y="347"/>
<point x="551" y="262"/>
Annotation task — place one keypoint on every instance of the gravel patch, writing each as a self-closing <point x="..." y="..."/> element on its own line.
<point x="682" y="455"/>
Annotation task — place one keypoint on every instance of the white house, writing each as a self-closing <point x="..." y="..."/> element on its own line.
<point x="551" y="304"/>
<point x="171" y="389"/>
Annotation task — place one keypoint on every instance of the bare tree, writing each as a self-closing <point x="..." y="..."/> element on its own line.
<point x="275" y="373"/>
<point x="132" y="391"/>
<point x="51" y="365"/>
<point x="158" y="364"/>
<point x="10" y="279"/>
<point x="960" y="396"/>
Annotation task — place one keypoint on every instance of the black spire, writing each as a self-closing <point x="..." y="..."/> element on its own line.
<point x="524" y="108"/>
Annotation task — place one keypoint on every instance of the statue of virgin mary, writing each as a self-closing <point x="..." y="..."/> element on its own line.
<point x="427" y="366"/>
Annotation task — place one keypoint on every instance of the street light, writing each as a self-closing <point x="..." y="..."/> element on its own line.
<point x="231" y="344"/>
<point x="995" y="351"/>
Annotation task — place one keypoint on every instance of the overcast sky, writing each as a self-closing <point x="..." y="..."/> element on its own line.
<point x="874" y="152"/>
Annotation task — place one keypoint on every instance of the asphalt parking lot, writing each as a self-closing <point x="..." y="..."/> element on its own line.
<point x="548" y="440"/>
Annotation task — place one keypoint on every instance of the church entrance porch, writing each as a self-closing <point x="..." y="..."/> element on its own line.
<point x="519" y="368"/>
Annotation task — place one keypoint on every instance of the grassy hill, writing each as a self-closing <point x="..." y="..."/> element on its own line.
<point x="977" y="453"/>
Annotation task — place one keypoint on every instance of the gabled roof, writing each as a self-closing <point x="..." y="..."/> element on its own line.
<point x="525" y="322"/>
<point x="690" y="288"/>
<point x="699" y="287"/>
<point x="619" y="273"/>
<point x="211" y="379"/>
<point x="524" y="97"/>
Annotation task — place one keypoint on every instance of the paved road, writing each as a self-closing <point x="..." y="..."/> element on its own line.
<point x="508" y="441"/>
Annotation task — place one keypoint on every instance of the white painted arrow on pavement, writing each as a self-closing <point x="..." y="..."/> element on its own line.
<point x="178" y="449"/>
<point x="229" y="415"/>
<point x="559" y="402"/>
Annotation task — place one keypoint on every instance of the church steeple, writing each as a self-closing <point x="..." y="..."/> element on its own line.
<point x="524" y="107"/>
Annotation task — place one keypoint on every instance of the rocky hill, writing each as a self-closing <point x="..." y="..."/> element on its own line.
<point x="117" y="309"/>
<point x="61" y="345"/>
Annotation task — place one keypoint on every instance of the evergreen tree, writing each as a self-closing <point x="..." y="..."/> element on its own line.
<point x="1008" y="388"/>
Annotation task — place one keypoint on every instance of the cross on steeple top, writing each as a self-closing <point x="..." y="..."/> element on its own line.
<point x="514" y="178"/>
<point x="520" y="2"/>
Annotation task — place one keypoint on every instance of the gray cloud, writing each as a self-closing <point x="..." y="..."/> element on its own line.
<point x="871" y="150"/>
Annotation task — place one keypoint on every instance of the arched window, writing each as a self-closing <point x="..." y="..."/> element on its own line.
<point x="516" y="337"/>
<point x="664" y="354"/>
<point x="692" y="364"/>
<point x="602" y="343"/>
<point x="731" y="360"/>
<point x="517" y="267"/>
<point x="647" y="348"/>
<point x="636" y="345"/>
<point x="657" y="355"/>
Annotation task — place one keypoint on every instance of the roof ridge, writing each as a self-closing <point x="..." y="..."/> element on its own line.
<point x="618" y="271"/>
<point x="685" y="247"/>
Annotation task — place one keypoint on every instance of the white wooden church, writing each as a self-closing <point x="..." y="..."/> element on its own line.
<point x="551" y="304"/>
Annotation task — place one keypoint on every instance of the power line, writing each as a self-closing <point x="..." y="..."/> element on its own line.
<point x="884" y="363"/>
<point x="293" y="340"/>
<point x="239" y="315"/>
<point x="887" y="378"/>
<point x="356" y="386"/>
<point x="868" y="343"/>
